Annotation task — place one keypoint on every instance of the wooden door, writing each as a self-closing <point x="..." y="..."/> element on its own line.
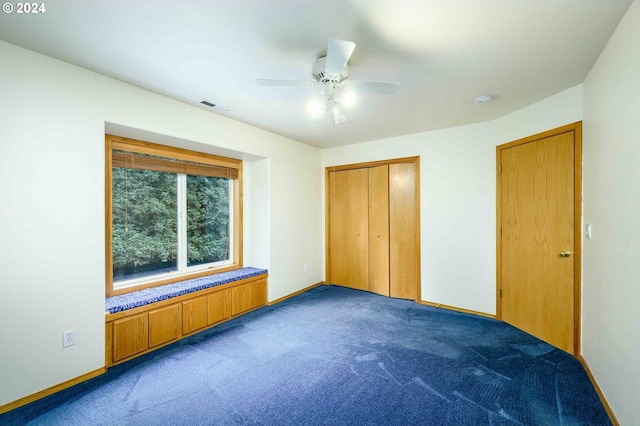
<point x="537" y="215"/>
<point x="379" y="230"/>
<point x="349" y="228"/>
<point x="403" y="232"/>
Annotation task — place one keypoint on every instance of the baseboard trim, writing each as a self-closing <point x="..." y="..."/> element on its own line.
<point x="296" y="293"/>
<point x="454" y="308"/>
<point x="595" y="384"/>
<point x="50" y="391"/>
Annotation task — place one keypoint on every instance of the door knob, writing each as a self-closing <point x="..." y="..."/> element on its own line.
<point x="565" y="253"/>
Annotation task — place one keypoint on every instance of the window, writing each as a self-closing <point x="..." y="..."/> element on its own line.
<point x="172" y="214"/>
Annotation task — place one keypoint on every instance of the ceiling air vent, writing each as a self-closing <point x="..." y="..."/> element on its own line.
<point x="212" y="105"/>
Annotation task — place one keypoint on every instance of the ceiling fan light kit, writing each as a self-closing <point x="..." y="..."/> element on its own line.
<point x="338" y="114"/>
<point x="346" y="97"/>
<point x="316" y="109"/>
<point x="332" y="72"/>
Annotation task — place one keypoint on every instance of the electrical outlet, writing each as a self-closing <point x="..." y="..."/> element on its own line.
<point x="68" y="338"/>
<point x="305" y="269"/>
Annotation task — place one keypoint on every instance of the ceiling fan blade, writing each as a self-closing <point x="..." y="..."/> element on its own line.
<point x="268" y="82"/>
<point x="338" y="54"/>
<point x="381" y="87"/>
<point x="338" y="114"/>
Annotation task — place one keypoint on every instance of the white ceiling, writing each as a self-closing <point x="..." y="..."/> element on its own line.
<point x="444" y="53"/>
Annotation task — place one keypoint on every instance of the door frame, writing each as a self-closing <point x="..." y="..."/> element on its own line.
<point x="577" y="233"/>
<point x="327" y="207"/>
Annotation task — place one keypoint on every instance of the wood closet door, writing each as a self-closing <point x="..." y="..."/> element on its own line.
<point x="379" y="230"/>
<point x="349" y="228"/>
<point x="403" y="232"/>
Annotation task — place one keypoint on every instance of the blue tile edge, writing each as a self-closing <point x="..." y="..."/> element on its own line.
<point x="146" y="296"/>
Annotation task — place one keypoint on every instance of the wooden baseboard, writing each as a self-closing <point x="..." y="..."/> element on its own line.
<point x="453" y="308"/>
<point x="594" y="382"/>
<point x="296" y="293"/>
<point x="50" y="391"/>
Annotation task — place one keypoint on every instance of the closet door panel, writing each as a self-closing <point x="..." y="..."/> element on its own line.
<point x="339" y="228"/>
<point x="403" y="247"/>
<point x="379" y="230"/>
<point x="358" y="229"/>
<point x="349" y="233"/>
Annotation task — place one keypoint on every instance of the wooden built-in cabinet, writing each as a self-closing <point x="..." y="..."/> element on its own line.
<point x="219" y="306"/>
<point x="240" y="299"/>
<point x="373" y="227"/>
<point x="130" y="336"/>
<point x="164" y="325"/>
<point x="137" y="331"/>
<point x="194" y="314"/>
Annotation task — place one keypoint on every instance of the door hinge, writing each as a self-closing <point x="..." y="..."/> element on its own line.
<point x="501" y="230"/>
<point x="500" y="292"/>
<point x="500" y="168"/>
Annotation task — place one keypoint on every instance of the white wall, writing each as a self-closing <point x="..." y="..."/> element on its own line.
<point x="611" y="281"/>
<point x="554" y="111"/>
<point x="458" y="195"/>
<point x="256" y="199"/>
<point x="52" y="124"/>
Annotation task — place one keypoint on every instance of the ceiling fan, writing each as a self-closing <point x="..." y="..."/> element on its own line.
<point x="332" y="72"/>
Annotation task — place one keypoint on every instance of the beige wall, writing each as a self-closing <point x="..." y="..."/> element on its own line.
<point x="52" y="123"/>
<point x="611" y="280"/>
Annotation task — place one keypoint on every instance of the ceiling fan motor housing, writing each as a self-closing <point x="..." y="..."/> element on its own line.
<point x="318" y="72"/>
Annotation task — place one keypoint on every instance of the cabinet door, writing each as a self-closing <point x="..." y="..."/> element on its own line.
<point x="240" y="299"/>
<point x="194" y="314"/>
<point x="258" y="293"/>
<point x="349" y="228"/>
<point x="379" y="230"/>
<point x="403" y="232"/>
<point x="219" y="305"/>
<point x="164" y="325"/>
<point x="130" y="336"/>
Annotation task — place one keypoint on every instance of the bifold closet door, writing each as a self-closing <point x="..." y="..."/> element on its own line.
<point x="349" y="228"/>
<point x="403" y="247"/>
<point x="379" y="230"/>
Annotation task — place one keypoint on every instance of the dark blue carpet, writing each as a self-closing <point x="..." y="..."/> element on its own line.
<point x="336" y="356"/>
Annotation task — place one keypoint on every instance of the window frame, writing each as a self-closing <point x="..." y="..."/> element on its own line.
<point x="118" y="143"/>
